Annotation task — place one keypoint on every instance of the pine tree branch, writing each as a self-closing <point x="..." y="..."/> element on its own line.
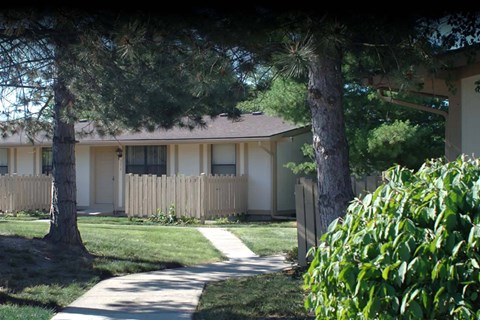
<point x="21" y="86"/>
<point x="42" y="109"/>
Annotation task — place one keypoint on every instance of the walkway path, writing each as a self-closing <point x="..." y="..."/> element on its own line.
<point x="170" y="294"/>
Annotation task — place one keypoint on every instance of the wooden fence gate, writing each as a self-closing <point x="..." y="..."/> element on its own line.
<point x="201" y="197"/>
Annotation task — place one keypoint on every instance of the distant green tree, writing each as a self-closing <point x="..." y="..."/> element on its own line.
<point x="331" y="49"/>
<point x="400" y="143"/>
<point x="365" y="113"/>
<point x="414" y="135"/>
<point x="285" y="97"/>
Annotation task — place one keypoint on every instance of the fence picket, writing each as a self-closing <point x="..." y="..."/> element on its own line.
<point x="21" y="192"/>
<point x="193" y="196"/>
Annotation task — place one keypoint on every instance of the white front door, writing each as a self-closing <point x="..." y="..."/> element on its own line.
<point x="104" y="175"/>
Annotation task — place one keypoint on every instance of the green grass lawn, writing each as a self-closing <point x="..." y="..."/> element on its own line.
<point x="37" y="279"/>
<point x="269" y="296"/>
<point x="267" y="240"/>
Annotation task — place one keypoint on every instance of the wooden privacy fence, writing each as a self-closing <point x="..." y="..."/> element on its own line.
<point x="21" y="192"/>
<point x="306" y="207"/>
<point x="201" y="197"/>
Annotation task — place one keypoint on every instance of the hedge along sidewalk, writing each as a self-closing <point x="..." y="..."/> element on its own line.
<point x="172" y="293"/>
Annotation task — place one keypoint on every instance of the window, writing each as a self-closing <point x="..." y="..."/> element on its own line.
<point x="224" y="159"/>
<point x="3" y="161"/>
<point x="47" y="161"/>
<point x="147" y="160"/>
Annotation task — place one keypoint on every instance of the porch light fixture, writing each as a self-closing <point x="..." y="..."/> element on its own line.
<point x="119" y="152"/>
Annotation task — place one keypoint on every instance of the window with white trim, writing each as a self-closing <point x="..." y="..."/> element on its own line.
<point x="3" y="161"/>
<point x="47" y="160"/>
<point x="224" y="159"/>
<point x="146" y="160"/>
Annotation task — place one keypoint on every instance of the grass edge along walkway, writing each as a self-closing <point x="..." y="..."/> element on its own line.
<point x="172" y="293"/>
<point x="36" y="275"/>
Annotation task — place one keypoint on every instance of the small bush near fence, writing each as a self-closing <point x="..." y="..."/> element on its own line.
<point x="27" y="214"/>
<point x="410" y="250"/>
<point x="171" y="218"/>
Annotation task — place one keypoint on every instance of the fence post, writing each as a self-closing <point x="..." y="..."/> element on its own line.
<point x="127" y="193"/>
<point x="201" y="196"/>
<point x="300" y="213"/>
<point x="310" y="218"/>
<point x="306" y="207"/>
<point x="15" y="195"/>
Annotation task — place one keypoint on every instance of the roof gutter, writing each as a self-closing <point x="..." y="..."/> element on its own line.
<point x="381" y="94"/>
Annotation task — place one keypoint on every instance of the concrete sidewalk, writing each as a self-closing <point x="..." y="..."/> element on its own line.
<point x="169" y="294"/>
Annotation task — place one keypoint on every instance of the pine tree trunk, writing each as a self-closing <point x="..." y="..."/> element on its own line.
<point x="325" y="98"/>
<point x="63" y="211"/>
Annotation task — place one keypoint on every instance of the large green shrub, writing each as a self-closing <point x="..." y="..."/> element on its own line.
<point x="410" y="250"/>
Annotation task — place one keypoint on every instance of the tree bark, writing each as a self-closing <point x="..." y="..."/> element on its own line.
<point x="63" y="210"/>
<point x="325" y="98"/>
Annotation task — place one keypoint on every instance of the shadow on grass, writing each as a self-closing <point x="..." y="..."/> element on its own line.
<point x="5" y="298"/>
<point x="38" y="273"/>
<point x="272" y="296"/>
<point x="109" y="266"/>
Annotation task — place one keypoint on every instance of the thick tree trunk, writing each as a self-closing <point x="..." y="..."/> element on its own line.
<point x="325" y="99"/>
<point x="63" y="211"/>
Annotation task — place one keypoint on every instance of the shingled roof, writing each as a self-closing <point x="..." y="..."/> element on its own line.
<point x="255" y="126"/>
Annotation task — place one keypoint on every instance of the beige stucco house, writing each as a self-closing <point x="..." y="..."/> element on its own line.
<point x="256" y="146"/>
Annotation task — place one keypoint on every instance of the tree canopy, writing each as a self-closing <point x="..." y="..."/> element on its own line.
<point x="330" y="49"/>
<point x="120" y="70"/>
<point x="145" y="69"/>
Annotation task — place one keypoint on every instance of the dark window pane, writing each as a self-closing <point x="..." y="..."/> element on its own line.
<point x="146" y="160"/>
<point x="47" y="160"/>
<point x="136" y="155"/>
<point x="3" y="161"/>
<point x="4" y="157"/>
<point x="225" y="169"/>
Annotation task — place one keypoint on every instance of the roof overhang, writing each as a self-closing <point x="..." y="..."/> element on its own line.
<point x="115" y="141"/>
<point x="455" y="65"/>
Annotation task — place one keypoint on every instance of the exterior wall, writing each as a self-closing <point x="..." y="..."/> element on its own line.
<point x="172" y="159"/>
<point x="82" y="161"/>
<point x="453" y="123"/>
<point x="289" y="151"/>
<point x="38" y="161"/>
<point x="25" y="157"/>
<point x="121" y="182"/>
<point x="205" y="159"/>
<point x="470" y="117"/>
<point x="259" y="177"/>
<point x="12" y="154"/>
<point x="257" y="160"/>
<point x="189" y="159"/>
<point x="242" y="159"/>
